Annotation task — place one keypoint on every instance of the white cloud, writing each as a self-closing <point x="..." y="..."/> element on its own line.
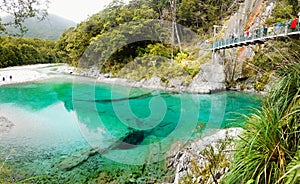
<point x="77" y="10"/>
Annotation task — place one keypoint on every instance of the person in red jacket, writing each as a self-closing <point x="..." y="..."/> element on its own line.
<point x="294" y="24"/>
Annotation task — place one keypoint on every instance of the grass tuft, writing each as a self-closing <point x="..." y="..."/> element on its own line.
<point x="268" y="152"/>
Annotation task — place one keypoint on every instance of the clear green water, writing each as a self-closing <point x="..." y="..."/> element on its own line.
<point x="57" y="118"/>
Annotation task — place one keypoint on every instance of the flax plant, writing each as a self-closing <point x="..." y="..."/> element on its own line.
<point x="268" y="151"/>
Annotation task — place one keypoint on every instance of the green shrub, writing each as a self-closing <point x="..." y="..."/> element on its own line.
<point x="283" y="11"/>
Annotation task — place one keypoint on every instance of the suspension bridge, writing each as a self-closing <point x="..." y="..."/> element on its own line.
<point x="259" y="37"/>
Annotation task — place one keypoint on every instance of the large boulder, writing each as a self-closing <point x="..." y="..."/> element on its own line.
<point x="211" y="78"/>
<point x="175" y="84"/>
<point x="154" y="83"/>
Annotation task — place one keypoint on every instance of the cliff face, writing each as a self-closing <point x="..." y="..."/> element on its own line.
<point x="252" y="14"/>
<point x="227" y="71"/>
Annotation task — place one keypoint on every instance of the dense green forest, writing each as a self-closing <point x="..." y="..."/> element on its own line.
<point x="198" y="16"/>
<point x="24" y="51"/>
<point x="111" y="25"/>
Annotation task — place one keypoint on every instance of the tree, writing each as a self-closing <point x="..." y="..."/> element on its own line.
<point x="21" y="10"/>
<point x="20" y="51"/>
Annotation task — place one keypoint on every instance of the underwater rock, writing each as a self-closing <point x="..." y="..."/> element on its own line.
<point x="5" y="125"/>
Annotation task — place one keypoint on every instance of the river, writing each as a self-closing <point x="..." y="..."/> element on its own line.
<point x="57" y="118"/>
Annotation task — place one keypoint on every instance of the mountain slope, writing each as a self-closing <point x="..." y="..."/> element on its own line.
<point x="50" y="28"/>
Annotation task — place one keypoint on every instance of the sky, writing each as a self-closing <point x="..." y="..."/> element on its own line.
<point x="77" y="10"/>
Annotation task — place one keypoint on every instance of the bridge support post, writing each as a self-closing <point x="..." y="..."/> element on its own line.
<point x="214" y="45"/>
<point x="224" y="57"/>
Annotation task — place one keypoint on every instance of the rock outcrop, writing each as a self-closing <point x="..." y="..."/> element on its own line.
<point x="186" y="159"/>
<point x="250" y="15"/>
<point x="211" y="78"/>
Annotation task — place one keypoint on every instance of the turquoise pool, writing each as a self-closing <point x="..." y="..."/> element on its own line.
<point x="55" y="119"/>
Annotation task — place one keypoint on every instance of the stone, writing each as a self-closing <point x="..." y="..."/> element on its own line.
<point x="154" y="83"/>
<point x="175" y="83"/>
<point x="77" y="159"/>
<point x="211" y="78"/>
<point x="181" y="160"/>
<point x="5" y="125"/>
<point x="132" y="180"/>
<point x="107" y="75"/>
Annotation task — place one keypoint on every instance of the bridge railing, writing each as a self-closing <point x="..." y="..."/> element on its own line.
<point x="257" y="34"/>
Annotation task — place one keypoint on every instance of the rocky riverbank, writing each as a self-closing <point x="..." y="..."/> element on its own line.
<point x="210" y="79"/>
<point x="204" y="160"/>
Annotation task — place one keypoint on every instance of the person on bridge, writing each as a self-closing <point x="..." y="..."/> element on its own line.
<point x="235" y="37"/>
<point x="265" y="31"/>
<point x="247" y="35"/>
<point x="294" y="24"/>
<point x="278" y="27"/>
<point x="270" y="30"/>
<point x="257" y="32"/>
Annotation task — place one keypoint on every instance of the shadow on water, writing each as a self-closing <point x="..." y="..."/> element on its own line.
<point x="132" y="140"/>
<point x="138" y="97"/>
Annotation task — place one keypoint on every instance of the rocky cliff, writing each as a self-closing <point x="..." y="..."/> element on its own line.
<point x="250" y="15"/>
<point x="227" y="70"/>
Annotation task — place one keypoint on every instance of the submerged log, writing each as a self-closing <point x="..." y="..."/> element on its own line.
<point x="145" y="95"/>
<point x="77" y="159"/>
<point x="128" y="141"/>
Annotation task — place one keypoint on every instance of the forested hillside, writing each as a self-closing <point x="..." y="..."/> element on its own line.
<point x="199" y="16"/>
<point x="111" y="26"/>
<point x="50" y="28"/>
